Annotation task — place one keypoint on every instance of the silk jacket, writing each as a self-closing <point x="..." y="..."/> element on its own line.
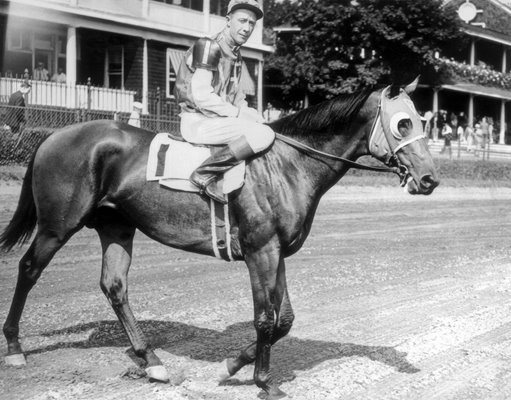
<point x="208" y="80"/>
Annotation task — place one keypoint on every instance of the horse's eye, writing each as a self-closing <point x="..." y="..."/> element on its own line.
<point x="404" y="126"/>
<point x="401" y="125"/>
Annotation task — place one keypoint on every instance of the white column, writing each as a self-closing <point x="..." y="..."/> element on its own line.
<point x="145" y="78"/>
<point x="473" y="52"/>
<point x="71" y="61"/>
<point x="260" y="105"/>
<point x="206" y="12"/>
<point x="471" y="110"/>
<point x="502" y="133"/>
<point x="435" y="99"/>
<point x="71" y="56"/>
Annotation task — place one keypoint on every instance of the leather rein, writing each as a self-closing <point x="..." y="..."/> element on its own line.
<point x="393" y="164"/>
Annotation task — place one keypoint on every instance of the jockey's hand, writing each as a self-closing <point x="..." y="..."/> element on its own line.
<point x="250" y="114"/>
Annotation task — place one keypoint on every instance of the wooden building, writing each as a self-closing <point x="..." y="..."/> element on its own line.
<point x="130" y="46"/>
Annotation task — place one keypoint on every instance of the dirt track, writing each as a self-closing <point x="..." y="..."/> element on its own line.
<point x="396" y="297"/>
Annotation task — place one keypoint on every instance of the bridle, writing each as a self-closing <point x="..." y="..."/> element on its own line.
<point x="392" y="162"/>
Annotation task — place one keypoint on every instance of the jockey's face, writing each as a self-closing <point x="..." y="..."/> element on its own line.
<point x="241" y="24"/>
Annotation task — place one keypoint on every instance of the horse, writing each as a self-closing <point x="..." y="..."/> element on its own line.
<point x="93" y="174"/>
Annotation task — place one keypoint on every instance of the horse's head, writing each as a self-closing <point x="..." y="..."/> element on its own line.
<point x="397" y="138"/>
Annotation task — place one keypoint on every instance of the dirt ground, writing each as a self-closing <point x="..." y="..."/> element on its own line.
<point x="396" y="297"/>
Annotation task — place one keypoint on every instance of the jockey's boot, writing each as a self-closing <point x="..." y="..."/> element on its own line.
<point x="206" y="176"/>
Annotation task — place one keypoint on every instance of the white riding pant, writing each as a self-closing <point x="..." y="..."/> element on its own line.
<point x="200" y="129"/>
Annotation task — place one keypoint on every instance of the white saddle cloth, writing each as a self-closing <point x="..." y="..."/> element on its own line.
<point x="171" y="162"/>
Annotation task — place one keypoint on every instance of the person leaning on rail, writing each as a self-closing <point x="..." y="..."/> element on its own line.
<point x="213" y="106"/>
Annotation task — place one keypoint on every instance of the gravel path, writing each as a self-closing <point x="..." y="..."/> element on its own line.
<point x="396" y="297"/>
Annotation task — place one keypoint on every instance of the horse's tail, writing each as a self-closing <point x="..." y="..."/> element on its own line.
<point x="24" y="220"/>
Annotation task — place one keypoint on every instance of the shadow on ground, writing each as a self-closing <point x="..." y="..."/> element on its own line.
<point x="289" y="354"/>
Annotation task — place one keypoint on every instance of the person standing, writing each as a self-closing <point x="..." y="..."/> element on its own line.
<point x="135" y="114"/>
<point x="41" y="73"/>
<point x="213" y="106"/>
<point x="15" y="116"/>
<point x="59" y="77"/>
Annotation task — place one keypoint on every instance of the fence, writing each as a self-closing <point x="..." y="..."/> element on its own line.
<point x="60" y="95"/>
<point x="37" y="121"/>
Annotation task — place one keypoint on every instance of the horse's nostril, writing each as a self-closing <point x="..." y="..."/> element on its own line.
<point x="428" y="182"/>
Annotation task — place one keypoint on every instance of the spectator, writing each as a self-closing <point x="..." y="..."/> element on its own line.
<point x="478" y="139"/>
<point x="41" y="73"/>
<point x="135" y="114"/>
<point x="470" y="137"/>
<point x="485" y="128"/>
<point x="271" y="113"/>
<point x="15" y="115"/>
<point x="447" y="135"/>
<point x="59" y="77"/>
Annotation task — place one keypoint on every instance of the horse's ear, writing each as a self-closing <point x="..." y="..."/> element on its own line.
<point x="412" y="86"/>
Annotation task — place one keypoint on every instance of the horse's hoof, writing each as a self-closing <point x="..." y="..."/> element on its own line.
<point x="16" y="360"/>
<point x="275" y="394"/>
<point x="158" y="373"/>
<point x="223" y="370"/>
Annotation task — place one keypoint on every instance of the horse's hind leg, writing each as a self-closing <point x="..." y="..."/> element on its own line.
<point x="32" y="264"/>
<point x="117" y="242"/>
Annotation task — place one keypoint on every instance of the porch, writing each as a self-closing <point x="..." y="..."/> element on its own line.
<point x="61" y="95"/>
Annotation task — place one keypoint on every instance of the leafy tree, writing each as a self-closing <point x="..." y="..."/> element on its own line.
<point x="344" y="45"/>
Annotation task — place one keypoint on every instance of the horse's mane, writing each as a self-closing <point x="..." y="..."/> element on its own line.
<point x="326" y="117"/>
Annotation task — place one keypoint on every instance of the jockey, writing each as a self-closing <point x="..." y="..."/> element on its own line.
<point x="213" y="106"/>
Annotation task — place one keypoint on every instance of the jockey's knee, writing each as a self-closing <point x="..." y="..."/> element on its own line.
<point x="260" y="138"/>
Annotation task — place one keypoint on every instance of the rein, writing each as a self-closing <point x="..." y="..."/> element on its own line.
<point x="312" y="151"/>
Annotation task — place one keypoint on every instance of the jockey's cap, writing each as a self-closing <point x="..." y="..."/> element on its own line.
<point x="252" y="5"/>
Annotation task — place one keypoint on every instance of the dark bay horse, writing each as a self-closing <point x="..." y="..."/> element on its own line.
<point x="94" y="174"/>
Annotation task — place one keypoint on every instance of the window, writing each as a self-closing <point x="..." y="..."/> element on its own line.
<point x="20" y="40"/>
<point x="174" y="58"/>
<point x="197" y="5"/>
<point x="218" y="7"/>
<point x="115" y="62"/>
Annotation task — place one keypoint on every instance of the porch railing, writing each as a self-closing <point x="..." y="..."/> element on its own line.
<point x="51" y="94"/>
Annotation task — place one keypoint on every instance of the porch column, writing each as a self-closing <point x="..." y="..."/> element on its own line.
<point x="145" y="79"/>
<point x="260" y="105"/>
<point x="472" y="51"/>
<point x="71" y="61"/>
<point x="206" y="12"/>
<point x="502" y="133"/>
<point x="471" y="110"/>
<point x="71" y="56"/>
<point x="435" y="99"/>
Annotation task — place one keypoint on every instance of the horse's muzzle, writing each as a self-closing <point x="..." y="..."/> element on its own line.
<point x="427" y="184"/>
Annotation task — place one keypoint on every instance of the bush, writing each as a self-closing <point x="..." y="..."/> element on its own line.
<point x="17" y="148"/>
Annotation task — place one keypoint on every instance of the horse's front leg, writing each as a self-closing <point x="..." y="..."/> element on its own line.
<point x="284" y="321"/>
<point x="263" y="266"/>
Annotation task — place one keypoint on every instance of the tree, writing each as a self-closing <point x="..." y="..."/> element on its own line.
<point x="344" y="45"/>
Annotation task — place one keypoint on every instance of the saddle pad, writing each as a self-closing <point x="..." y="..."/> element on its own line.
<point x="171" y="162"/>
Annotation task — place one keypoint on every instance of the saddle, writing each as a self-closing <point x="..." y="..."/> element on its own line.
<point x="172" y="160"/>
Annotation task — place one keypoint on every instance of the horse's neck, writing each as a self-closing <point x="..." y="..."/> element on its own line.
<point x="320" y="172"/>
